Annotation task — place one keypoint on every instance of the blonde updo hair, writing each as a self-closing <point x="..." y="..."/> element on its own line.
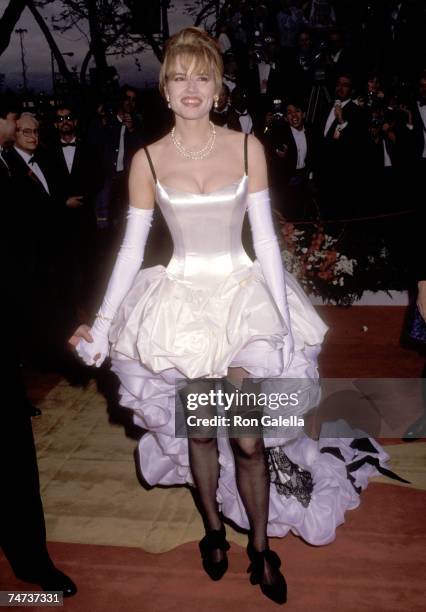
<point x="188" y="45"/>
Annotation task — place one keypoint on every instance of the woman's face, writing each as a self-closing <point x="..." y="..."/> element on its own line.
<point x="191" y="91"/>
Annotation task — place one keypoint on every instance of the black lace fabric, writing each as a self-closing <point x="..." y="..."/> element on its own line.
<point x="289" y="479"/>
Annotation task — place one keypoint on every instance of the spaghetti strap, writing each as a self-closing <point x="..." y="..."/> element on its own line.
<point x="151" y="165"/>
<point x="245" y="154"/>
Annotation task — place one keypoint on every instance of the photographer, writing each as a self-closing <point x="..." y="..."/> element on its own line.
<point x="339" y="57"/>
<point x="238" y="117"/>
<point x="301" y="63"/>
<point x="290" y="147"/>
<point x="342" y="140"/>
<point x="264" y="78"/>
<point x="388" y="155"/>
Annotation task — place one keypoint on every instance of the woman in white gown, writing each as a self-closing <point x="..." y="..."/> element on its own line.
<point x="213" y="313"/>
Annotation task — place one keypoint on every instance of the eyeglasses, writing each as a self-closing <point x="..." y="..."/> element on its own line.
<point x="28" y="131"/>
<point x="62" y="118"/>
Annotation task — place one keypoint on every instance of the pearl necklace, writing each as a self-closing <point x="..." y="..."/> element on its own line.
<point x="202" y="153"/>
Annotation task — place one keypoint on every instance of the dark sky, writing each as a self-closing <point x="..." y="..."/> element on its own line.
<point x="37" y="53"/>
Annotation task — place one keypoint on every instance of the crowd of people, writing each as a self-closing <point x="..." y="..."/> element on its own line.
<point x="337" y="96"/>
<point x="342" y="122"/>
<point x="342" y="138"/>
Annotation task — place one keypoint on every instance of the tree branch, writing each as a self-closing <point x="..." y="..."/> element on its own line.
<point x="50" y="41"/>
<point x="8" y="22"/>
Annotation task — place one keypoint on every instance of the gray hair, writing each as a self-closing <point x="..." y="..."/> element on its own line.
<point x="29" y="116"/>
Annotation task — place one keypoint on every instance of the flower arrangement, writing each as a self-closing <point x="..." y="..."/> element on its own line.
<point x="312" y="255"/>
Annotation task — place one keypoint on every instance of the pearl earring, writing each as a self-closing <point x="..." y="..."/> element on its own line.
<point x="168" y="102"/>
<point x="216" y="102"/>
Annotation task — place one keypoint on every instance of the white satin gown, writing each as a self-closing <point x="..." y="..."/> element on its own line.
<point x="208" y="310"/>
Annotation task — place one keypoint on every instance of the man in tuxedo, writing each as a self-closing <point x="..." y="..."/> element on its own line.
<point x="418" y="114"/>
<point x="116" y="142"/>
<point x="238" y="116"/>
<point x="41" y="239"/>
<point x="290" y="149"/>
<point x="300" y="66"/>
<point x="339" y="57"/>
<point x="264" y="81"/>
<point x="341" y="143"/>
<point x="22" y="527"/>
<point x="76" y="183"/>
<point x="113" y="142"/>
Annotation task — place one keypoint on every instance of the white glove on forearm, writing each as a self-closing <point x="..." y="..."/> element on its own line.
<point x="268" y="254"/>
<point x="127" y="265"/>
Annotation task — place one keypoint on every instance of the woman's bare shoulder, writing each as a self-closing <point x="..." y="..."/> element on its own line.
<point x="235" y="139"/>
<point x="255" y="147"/>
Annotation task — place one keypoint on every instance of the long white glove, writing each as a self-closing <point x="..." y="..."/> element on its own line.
<point x="268" y="254"/>
<point x="127" y="265"/>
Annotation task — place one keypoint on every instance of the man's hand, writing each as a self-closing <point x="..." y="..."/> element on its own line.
<point x="82" y="335"/>
<point x="83" y="331"/>
<point x="421" y="298"/>
<point x="283" y="152"/>
<point x="74" y="201"/>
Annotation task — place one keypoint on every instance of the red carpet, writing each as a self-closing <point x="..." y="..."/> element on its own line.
<point x="377" y="563"/>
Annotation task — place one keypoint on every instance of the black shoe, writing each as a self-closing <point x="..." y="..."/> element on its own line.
<point x="277" y="591"/>
<point x="214" y="540"/>
<point x="51" y="580"/>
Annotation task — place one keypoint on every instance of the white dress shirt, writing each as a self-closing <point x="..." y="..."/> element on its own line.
<point x="34" y="167"/>
<point x="302" y="146"/>
<point x="335" y="56"/>
<point x="264" y="70"/>
<point x="119" y="166"/>
<point x="230" y="84"/>
<point x="246" y="123"/>
<point x="224" y="42"/>
<point x="69" y="153"/>
<point x="422" y="111"/>
<point x="2" y="159"/>
<point x="332" y="116"/>
<point x="386" y="156"/>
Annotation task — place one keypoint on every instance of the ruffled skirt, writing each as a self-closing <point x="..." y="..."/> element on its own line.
<point x="167" y="332"/>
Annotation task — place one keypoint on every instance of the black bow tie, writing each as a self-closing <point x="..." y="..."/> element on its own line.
<point x="67" y="144"/>
<point x="32" y="160"/>
<point x="421" y="103"/>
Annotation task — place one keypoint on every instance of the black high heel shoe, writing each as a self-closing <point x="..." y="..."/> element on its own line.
<point x="277" y="591"/>
<point x="213" y="540"/>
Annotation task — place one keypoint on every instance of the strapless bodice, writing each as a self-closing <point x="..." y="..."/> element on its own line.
<point x="206" y="232"/>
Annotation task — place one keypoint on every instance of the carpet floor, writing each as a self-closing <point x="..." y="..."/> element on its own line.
<point x="106" y="531"/>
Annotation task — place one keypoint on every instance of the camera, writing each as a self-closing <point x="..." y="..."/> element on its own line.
<point x="277" y="108"/>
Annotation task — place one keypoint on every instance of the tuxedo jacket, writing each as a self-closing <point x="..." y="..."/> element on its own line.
<point x="419" y="132"/>
<point x="342" y="159"/>
<point x="282" y="138"/>
<point x="83" y="180"/>
<point x="79" y="180"/>
<point x="38" y="222"/>
<point x="273" y="87"/>
<point x="104" y="141"/>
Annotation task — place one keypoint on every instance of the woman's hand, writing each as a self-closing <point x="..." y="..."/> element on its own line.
<point x="91" y="347"/>
<point x="421" y="298"/>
